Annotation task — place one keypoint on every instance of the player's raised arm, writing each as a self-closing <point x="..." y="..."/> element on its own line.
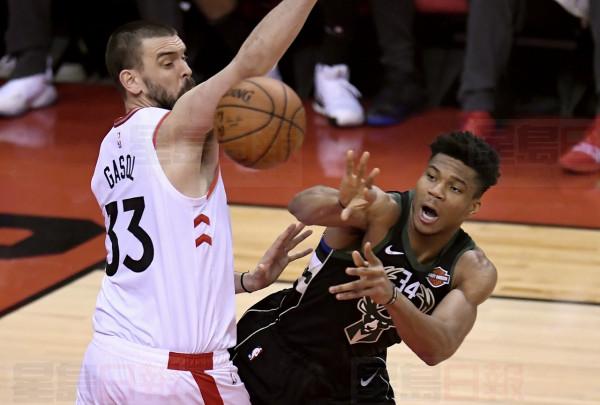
<point x="353" y="205"/>
<point x="193" y="113"/>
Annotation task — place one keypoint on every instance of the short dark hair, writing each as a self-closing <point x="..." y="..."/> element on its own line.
<point x="473" y="152"/>
<point x="123" y="47"/>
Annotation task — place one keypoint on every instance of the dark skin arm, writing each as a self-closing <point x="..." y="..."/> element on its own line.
<point x="434" y="338"/>
<point x="347" y="207"/>
<point x="349" y="211"/>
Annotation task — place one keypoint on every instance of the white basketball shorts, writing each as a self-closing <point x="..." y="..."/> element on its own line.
<point x="116" y="371"/>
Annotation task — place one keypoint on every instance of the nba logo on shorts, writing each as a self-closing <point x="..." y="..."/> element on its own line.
<point x="255" y="353"/>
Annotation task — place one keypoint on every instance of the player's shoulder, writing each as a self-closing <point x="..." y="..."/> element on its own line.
<point x="475" y="274"/>
<point x="387" y="207"/>
<point x="149" y="114"/>
<point x="139" y="115"/>
<point x="475" y="259"/>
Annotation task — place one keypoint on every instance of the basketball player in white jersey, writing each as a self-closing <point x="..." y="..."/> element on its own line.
<point x="165" y="314"/>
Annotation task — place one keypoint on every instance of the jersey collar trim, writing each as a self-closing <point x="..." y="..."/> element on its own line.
<point x="155" y="134"/>
<point x="121" y="120"/>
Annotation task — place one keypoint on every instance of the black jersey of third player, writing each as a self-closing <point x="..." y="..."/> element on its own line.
<point x="324" y="328"/>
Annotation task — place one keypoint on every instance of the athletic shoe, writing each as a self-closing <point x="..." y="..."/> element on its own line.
<point x="479" y="123"/>
<point x="584" y="158"/>
<point x="26" y="93"/>
<point x="335" y="97"/>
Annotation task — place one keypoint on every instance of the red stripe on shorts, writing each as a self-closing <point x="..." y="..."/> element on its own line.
<point x="197" y="364"/>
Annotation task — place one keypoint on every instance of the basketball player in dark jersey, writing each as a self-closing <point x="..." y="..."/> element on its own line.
<point x="418" y="279"/>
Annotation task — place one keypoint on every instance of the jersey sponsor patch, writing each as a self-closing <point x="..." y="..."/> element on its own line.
<point x="438" y="277"/>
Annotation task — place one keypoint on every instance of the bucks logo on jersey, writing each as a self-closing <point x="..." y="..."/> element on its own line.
<point x="375" y="319"/>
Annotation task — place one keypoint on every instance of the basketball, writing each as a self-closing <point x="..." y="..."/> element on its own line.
<point x="260" y="122"/>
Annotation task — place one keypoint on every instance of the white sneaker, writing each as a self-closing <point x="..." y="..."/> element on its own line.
<point x="20" y="95"/>
<point x="335" y="97"/>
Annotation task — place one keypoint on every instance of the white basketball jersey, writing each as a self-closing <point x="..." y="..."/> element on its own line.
<point x="169" y="280"/>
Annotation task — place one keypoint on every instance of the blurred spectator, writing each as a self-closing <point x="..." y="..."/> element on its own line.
<point x="230" y="24"/>
<point x="28" y="38"/>
<point x="490" y="30"/>
<point x="167" y="12"/>
<point x="401" y="93"/>
<point x="585" y="156"/>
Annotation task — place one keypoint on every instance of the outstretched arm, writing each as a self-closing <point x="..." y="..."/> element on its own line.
<point x="353" y="205"/>
<point x="274" y="261"/>
<point x="435" y="337"/>
<point x="192" y="115"/>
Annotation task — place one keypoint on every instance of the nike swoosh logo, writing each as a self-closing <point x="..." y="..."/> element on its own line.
<point x="364" y="383"/>
<point x="391" y="252"/>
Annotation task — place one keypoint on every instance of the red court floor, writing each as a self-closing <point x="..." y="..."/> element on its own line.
<point x="51" y="228"/>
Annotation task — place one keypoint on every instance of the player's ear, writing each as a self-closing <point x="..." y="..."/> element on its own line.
<point x="131" y="81"/>
<point x="475" y="206"/>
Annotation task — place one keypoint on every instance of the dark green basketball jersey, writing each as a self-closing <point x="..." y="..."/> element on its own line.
<point x="312" y="318"/>
<point x="336" y="340"/>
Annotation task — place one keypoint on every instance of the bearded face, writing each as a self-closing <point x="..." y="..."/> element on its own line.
<point x="162" y="97"/>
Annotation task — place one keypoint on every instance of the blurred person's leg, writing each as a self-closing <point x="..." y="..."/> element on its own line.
<point x="28" y="35"/>
<point x="584" y="157"/>
<point x="401" y="93"/>
<point x="335" y="97"/>
<point x="28" y="38"/>
<point x="230" y="24"/>
<point x="490" y="29"/>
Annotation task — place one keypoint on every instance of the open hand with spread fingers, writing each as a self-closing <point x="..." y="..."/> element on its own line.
<point x="277" y="257"/>
<point x="372" y="279"/>
<point x="355" y="192"/>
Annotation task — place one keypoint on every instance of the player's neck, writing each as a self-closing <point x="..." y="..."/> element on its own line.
<point x="134" y="103"/>
<point x="427" y="247"/>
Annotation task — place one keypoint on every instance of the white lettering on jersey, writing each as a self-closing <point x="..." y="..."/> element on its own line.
<point x="170" y="280"/>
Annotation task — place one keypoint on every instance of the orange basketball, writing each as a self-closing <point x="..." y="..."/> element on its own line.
<point x="260" y="122"/>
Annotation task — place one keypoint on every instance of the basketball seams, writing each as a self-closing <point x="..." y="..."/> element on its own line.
<point x="250" y="134"/>
<point x="266" y="94"/>
<point x="276" y="135"/>
<point x="271" y="114"/>
<point x="242" y="107"/>
<point x="289" y="134"/>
